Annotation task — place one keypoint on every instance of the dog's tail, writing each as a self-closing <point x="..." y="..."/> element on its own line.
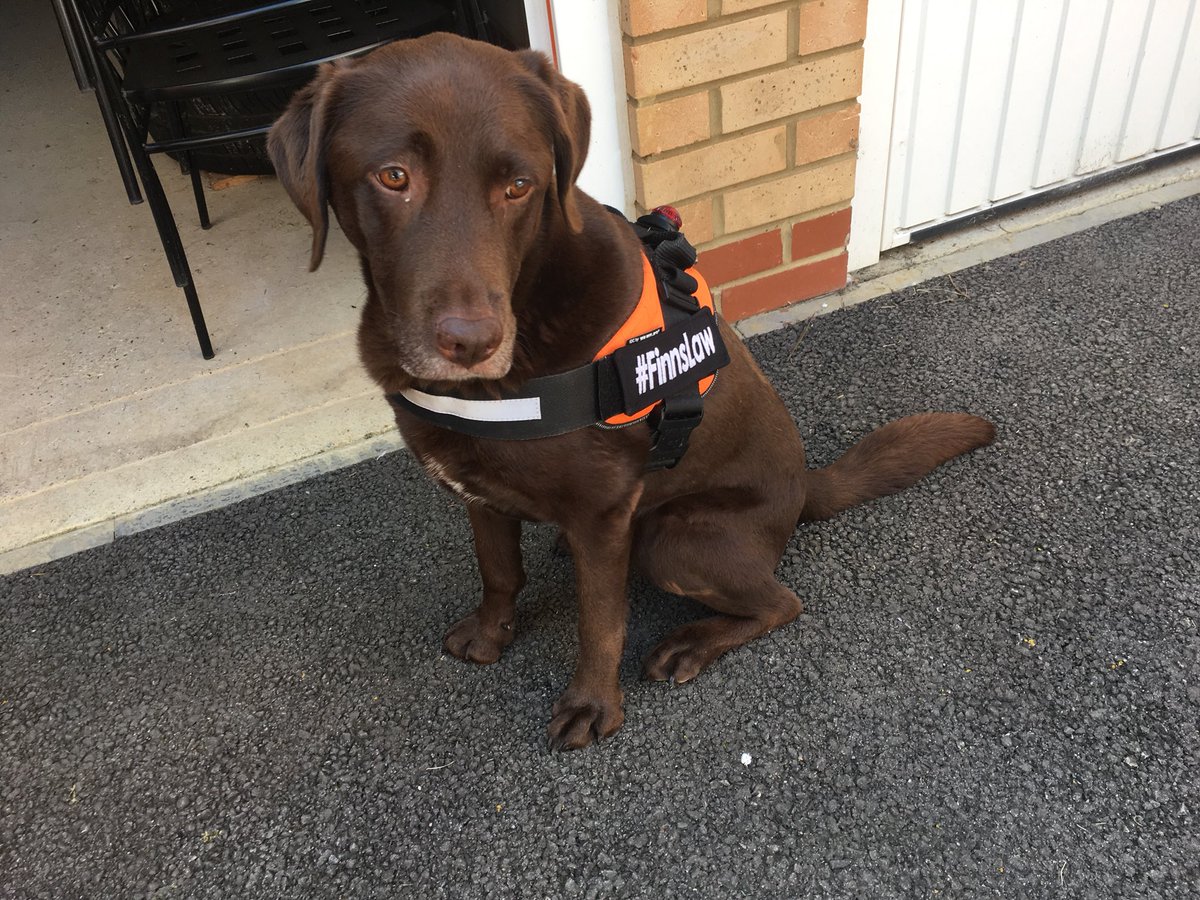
<point x="891" y="458"/>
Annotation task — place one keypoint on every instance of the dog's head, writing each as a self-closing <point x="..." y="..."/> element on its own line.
<point x="442" y="159"/>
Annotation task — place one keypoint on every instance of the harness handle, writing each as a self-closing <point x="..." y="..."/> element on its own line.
<point x="673" y="420"/>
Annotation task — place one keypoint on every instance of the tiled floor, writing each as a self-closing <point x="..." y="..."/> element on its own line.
<point x="108" y="408"/>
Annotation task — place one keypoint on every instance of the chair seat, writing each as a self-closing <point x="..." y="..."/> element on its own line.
<point x="272" y="48"/>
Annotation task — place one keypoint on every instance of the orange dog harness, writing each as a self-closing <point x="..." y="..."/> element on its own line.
<point x="656" y="367"/>
<point x="647" y="319"/>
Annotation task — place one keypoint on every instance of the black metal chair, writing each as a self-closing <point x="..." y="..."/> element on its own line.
<point x="146" y="61"/>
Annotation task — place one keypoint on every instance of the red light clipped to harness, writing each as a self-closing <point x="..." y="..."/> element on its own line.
<point x="671" y="214"/>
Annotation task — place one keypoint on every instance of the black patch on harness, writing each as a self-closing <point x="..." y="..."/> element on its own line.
<point x="663" y="364"/>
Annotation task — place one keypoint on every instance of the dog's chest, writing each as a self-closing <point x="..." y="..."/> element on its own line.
<point x="475" y="475"/>
<point x="440" y="473"/>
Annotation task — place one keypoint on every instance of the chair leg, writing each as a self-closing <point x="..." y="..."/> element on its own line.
<point x="198" y="191"/>
<point x="168" y="233"/>
<point x="193" y="302"/>
<point x="189" y="164"/>
<point x="106" y="90"/>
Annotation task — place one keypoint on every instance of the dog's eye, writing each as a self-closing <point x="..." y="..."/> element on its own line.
<point x="518" y="188"/>
<point x="393" y="178"/>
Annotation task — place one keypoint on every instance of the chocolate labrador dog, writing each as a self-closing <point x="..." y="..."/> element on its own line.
<point x="451" y="167"/>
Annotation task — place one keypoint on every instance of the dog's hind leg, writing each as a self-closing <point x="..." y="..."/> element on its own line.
<point x="483" y="635"/>
<point x="730" y="570"/>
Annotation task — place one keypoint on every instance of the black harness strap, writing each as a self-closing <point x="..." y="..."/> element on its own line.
<point x="543" y="407"/>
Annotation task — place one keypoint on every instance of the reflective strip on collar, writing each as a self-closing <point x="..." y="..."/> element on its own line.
<point x="528" y="409"/>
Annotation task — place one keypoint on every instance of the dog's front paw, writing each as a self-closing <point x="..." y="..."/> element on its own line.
<point x="476" y="641"/>
<point x="583" y="717"/>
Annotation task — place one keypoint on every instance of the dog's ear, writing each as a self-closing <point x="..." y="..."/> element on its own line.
<point x="572" y="130"/>
<point x="296" y="145"/>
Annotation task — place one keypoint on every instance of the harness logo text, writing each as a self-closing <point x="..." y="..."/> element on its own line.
<point x="654" y="368"/>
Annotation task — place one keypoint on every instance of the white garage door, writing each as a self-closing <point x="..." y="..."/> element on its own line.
<point x="997" y="100"/>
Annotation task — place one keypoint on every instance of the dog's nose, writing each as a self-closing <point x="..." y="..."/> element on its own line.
<point x="468" y="341"/>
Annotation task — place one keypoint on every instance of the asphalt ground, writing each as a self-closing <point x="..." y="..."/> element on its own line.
<point x="994" y="691"/>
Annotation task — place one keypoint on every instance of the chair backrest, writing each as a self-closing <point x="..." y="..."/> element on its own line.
<point x="159" y="65"/>
<point x="101" y="18"/>
<point x="150" y="19"/>
<point x="112" y="24"/>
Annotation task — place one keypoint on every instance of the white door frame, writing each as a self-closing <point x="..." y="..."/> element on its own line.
<point x="583" y="37"/>
<point x="881" y="51"/>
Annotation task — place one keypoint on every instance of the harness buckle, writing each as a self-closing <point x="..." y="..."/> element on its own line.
<point x="672" y="423"/>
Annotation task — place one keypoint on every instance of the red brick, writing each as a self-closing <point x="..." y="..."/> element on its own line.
<point x="741" y="258"/>
<point x="782" y="288"/>
<point x="825" y="134"/>
<point x="644" y="16"/>
<point x="697" y="218"/>
<point x="709" y="54"/>
<point x="820" y="235"/>
<point x="831" y="23"/>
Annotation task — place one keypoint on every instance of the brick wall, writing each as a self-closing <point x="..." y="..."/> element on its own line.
<point x="742" y="114"/>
